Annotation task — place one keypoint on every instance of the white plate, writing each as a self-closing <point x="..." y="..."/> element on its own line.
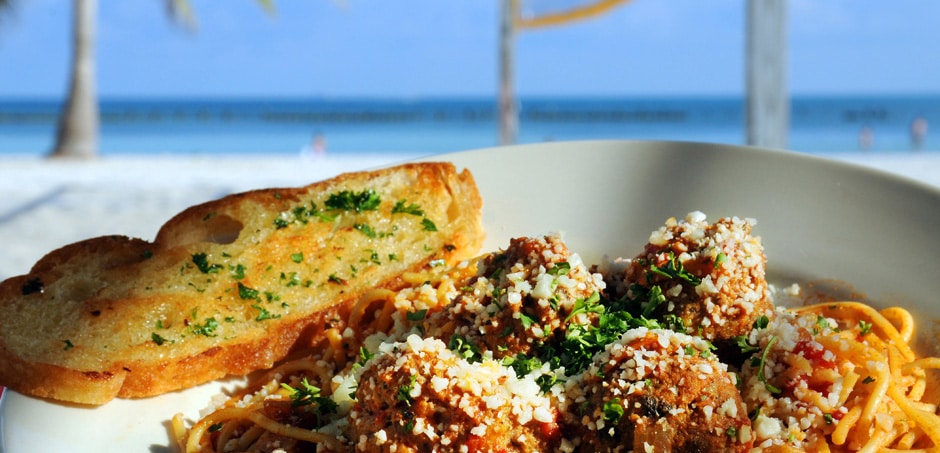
<point x="819" y="220"/>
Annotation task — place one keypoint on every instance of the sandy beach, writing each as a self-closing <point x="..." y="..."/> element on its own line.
<point x="47" y="204"/>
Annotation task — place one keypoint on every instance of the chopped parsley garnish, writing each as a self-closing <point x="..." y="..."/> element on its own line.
<point x="864" y="328"/>
<point x="828" y="418"/>
<point x="302" y="215"/>
<point x="674" y="322"/>
<point x="674" y="269"/>
<point x="374" y="257"/>
<point x="428" y="225"/>
<point x="868" y="380"/>
<point x="721" y="258"/>
<point x="464" y="348"/>
<point x="761" y="322"/>
<point x="560" y="269"/>
<point x="613" y="410"/>
<point x="365" y="229"/>
<point x="760" y="371"/>
<point x="304" y="395"/>
<point x="522" y="364"/>
<point x="238" y="271"/>
<point x="581" y="342"/>
<point x="68" y="345"/>
<point x="366" y="200"/>
<point x="527" y="321"/>
<point x="404" y="391"/>
<point x="297" y="257"/>
<point x="546" y="382"/>
<point x="732" y="432"/>
<point x="402" y="208"/>
<point x="281" y="221"/>
<point x="746" y="348"/>
<point x="821" y="323"/>
<point x="655" y="299"/>
<point x="309" y="395"/>
<point x="364" y="356"/>
<point x="247" y="293"/>
<point x="290" y="279"/>
<point x="589" y="305"/>
<point x="416" y="316"/>
<point x="264" y="314"/>
<point x="333" y="278"/>
<point x="201" y="260"/>
<point x="206" y="329"/>
<point x="215" y="427"/>
<point x="158" y="339"/>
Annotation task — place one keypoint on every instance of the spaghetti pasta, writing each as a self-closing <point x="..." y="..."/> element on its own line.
<point x="884" y="409"/>
<point x="529" y="349"/>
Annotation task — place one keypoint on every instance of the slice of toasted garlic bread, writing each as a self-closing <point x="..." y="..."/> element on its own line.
<point x="227" y="287"/>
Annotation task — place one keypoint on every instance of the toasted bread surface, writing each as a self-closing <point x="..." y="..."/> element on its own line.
<point x="229" y="286"/>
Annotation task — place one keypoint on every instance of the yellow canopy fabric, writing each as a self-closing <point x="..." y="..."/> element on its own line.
<point x="543" y="13"/>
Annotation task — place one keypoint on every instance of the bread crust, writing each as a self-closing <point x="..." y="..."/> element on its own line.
<point x="227" y="287"/>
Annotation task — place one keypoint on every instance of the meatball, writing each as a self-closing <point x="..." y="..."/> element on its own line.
<point x="657" y="389"/>
<point x="521" y="298"/>
<point x="709" y="278"/>
<point x="418" y="395"/>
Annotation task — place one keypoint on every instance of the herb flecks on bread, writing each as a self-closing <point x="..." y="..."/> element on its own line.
<point x="227" y="287"/>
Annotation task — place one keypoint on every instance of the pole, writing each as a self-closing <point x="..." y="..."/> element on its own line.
<point x="768" y="104"/>
<point x="508" y="116"/>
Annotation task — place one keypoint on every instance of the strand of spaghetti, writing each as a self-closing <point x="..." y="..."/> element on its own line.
<point x="308" y="367"/>
<point x="246" y="440"/>
<point x="306" y="435"/>
<point x="928" y="422"/>
<point x="848" y="384"/>
<point x="901" y="427"/>
<point x="419" y="278"/>
<point x="848" y="421"/>
<point x="289" y="368"/>
<point x="902" y="319"/>
<point x="882" y="382"/>
<point x="925" y="363"/>
<point x="906" y="441"/>
<point x="362" y="305"/>
<point x="879" y="439"/>
<point x="920" y="386"/>
<point x="856" y="352"/>
<point x="228" y="431"/>
<point x="383" y="323"/>
<point x="821" y="446"/>
<point x="926" y="407"/>
<point x="879" y="323"/>
<point x="178" y="428"/>
<point x="194" y="442"/>
<point x="334" y="351"/>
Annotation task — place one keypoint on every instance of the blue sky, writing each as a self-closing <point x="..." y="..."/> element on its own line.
<point x="410" y="48"/>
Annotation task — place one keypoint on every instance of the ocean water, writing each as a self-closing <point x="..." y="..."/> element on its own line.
<point x="427" y="126"/>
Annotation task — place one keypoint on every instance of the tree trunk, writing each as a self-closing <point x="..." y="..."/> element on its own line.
<point x="77" y="135"/>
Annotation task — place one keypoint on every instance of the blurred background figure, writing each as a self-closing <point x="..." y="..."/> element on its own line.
<point x="866" y="138"/>
<point x="316" y="149"/>
<point x="918" y="132"/>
